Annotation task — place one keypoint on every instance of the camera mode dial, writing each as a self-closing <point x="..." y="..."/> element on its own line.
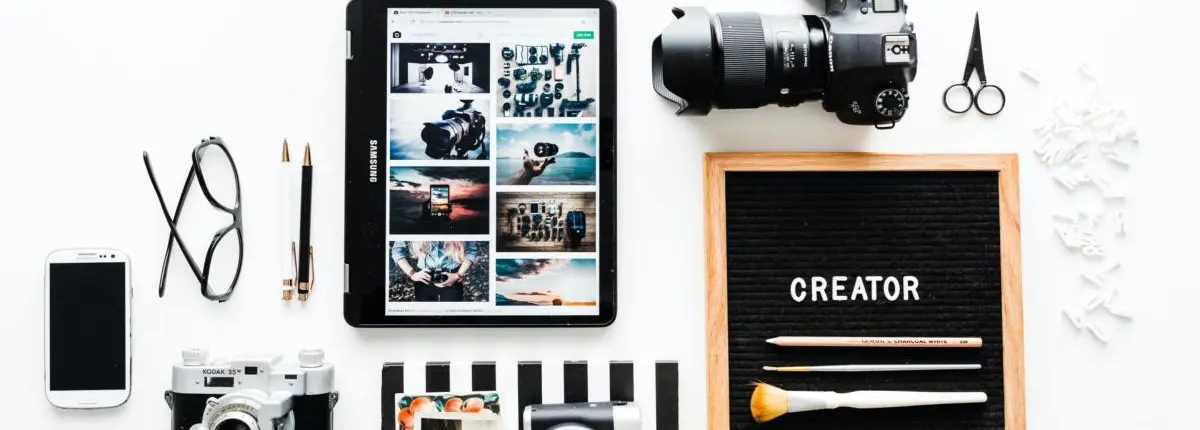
<point x="891" y="103"/>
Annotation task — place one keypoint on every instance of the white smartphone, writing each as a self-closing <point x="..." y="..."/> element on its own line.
<point x="88" y="344"/>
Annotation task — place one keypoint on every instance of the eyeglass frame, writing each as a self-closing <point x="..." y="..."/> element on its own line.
<point x="235" y="226"/>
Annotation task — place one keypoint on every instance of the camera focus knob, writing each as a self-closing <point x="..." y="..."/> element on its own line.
<point x="194" y="357"/>
<point x="891" y="103"/>
<point x="311" y="358"/>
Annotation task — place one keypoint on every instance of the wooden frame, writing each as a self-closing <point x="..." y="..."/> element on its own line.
<point x="717" y="331"/>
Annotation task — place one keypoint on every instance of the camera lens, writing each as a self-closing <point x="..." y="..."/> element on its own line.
<point x="543" y="149"/>
<point x="233" y="425"/>
<point x="442" y="136"/>
<point x="740" y="60"/>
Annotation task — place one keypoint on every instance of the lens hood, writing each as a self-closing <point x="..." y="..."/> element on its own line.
<point x="684" y="72"/>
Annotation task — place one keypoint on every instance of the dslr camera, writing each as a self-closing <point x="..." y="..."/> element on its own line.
<point x="252" y="393"/>
<point x="858" y="59"/>
<point x="583" y="416"/>
<point x="460" y="131"/>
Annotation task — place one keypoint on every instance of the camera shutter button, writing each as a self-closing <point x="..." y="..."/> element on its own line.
<point x="194" y="357"/>
<point x="310" y="358"/>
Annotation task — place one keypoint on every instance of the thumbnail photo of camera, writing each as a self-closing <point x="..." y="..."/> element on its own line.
<point x="546" y="282"/>
<point x="438" y="271"/>
<point x="442" y="68"/>
<point x="546" y="222"/>
<point x="548" y="80"/>
<point x="546" y="154"/>
<point x="438" y="200"/>
<point x="438" y="129"/>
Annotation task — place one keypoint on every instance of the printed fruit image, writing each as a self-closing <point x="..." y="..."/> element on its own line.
<point x="474" y="404"/>
<point x="405" y="417"/>
<point x="454" y="404"/>
<point x="422" y="405"/>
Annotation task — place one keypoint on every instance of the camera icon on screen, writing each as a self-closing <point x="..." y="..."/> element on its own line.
<point x="396" y="34"/>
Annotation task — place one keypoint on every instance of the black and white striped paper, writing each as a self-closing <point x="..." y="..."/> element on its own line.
<point x="653" y="385"/>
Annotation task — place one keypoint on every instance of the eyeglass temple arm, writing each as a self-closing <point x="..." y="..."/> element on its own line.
<point x="175" y="237"/>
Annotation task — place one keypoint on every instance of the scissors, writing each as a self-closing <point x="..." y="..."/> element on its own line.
<point x="974" y="64"/>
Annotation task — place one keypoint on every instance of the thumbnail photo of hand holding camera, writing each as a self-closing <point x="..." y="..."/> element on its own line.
<point x="546" y="154"/>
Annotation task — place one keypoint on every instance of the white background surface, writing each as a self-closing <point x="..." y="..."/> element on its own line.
<point x="85" y="86"/>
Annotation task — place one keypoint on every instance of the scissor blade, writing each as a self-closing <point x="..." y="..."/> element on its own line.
<point x="975" y="56"/>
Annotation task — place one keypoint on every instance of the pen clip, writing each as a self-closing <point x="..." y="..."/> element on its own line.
<point x="306" y="288"/>
<point x="289" y="285"/>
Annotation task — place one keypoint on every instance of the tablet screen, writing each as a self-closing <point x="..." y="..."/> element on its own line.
<point x="492" y="162"/>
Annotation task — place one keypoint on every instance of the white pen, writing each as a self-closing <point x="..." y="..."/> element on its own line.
<point x="287" y="226"/>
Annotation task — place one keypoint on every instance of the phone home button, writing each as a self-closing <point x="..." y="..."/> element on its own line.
<point x="87" y="402"/>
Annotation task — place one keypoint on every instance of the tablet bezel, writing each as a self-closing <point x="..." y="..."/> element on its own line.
<point x="366" y="169"/>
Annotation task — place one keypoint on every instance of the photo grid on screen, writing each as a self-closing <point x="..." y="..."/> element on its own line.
<point x="493" y="162"/>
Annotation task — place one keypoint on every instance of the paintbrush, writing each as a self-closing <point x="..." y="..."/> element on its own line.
<point x="873" y="368"/>
<point x="769" y="402"/>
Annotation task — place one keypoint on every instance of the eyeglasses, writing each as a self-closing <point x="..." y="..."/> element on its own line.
<point x="213" y="167"/>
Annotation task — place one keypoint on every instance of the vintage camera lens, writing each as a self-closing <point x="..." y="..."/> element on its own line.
<point x="520" y="73"/>
<point x="234" y="424"/>
<point x="543" y="149"/>
<point x="504" y="82"/>
<point x="740" y="60"/>
<point x="507" y="53"/>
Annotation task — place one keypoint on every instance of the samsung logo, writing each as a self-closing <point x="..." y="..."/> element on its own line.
<point x="374" y="161"/>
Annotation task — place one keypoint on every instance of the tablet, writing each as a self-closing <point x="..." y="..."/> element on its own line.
<point x="480" y="185"/>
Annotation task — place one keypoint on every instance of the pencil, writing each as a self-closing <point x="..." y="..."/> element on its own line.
<point x="874" y="368"/>
<point x="878" y="342"/>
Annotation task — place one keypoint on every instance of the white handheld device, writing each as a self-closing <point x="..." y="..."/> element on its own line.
<point x="87" y="328"/>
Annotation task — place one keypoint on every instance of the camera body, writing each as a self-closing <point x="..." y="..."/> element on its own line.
<point x="858" y="59"/>
<point x="460" y="131"/>
<point x="437" y="276"/>
<point x="252" y="392"/>
<point x="583" y="416"/>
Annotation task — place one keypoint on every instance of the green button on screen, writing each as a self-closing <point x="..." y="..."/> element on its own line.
<point x="587" y="35"/>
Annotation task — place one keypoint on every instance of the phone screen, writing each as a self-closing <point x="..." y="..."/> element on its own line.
<point x="439" y="200"/>
<point x="87" y="326"/>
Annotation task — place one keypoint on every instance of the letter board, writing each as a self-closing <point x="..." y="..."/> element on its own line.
<point x="854" y="244"/>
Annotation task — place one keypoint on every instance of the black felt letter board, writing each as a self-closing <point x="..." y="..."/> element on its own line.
<point x="941" y="227"/>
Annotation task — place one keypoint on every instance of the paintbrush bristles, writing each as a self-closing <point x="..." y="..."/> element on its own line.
<point x="768" y="402"/>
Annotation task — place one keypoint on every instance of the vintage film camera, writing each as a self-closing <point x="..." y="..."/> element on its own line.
<point x="460" y="131"/>
<point x="247" y="393"/>
<point x="583" y="416"/>
<point x="858" y="59"/>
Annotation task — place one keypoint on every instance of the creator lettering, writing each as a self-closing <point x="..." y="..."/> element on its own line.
<point x="864" y="288"/>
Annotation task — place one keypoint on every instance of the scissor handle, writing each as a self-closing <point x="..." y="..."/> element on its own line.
<point x="984" y="88"/>
<point x="946" y="98"/>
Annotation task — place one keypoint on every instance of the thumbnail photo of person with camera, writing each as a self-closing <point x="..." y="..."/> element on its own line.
<point x="439" y="271"/>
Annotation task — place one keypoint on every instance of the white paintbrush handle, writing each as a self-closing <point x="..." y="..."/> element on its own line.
<point x="902" y="399"/>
